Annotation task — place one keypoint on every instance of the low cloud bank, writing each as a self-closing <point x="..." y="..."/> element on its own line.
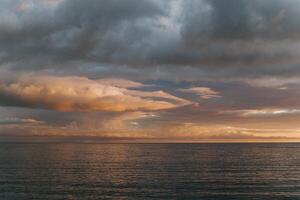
<point x="80" y="94"/>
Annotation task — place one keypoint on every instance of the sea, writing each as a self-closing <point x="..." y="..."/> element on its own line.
<point x="79" y="171"/>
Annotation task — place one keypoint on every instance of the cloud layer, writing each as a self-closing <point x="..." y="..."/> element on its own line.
<point x="157" y="69"/>
<point x="250" y="38"/>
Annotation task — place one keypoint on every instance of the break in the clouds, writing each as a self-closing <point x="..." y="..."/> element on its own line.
<point x="151" y="68"/>
<point x="203" y="92"/>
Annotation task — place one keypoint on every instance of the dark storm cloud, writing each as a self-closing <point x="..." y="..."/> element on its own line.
<point x="246" y="37"/>
<point x="244" y="19"/>
<point x="40" y="34"/>
<point x="226" y="36"/>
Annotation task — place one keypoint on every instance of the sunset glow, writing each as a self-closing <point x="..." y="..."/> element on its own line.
<point x="162" y="71"/>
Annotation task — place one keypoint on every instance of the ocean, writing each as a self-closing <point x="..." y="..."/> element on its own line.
<point x="149" y="171"/>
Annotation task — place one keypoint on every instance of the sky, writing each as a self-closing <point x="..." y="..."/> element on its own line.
<point x="197" y="70"/>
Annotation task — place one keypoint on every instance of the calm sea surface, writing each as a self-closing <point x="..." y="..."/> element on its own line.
<point x="149" y="171"/>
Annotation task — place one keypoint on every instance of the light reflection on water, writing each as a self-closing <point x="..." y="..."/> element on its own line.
<point x="149" y="171"/>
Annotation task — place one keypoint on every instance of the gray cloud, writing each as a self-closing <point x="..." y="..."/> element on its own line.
<point x="12" y="121"/>
<point x="104" y="31"/>
<point x="64" y="34"/>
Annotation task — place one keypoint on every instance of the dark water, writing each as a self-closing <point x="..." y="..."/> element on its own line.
<point x="149" y="171"/>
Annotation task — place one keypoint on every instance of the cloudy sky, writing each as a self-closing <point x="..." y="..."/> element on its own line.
<point x="150" y="69"/>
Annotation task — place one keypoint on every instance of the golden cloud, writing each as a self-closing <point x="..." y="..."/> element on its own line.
<point x="81" y="94"/>
<point x="196" y="131"/>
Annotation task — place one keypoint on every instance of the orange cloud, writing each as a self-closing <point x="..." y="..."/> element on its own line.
<point x="197" y="131"/>
<point x="81" y="94"/>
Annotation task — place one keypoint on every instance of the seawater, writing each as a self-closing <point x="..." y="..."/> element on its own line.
<point x="149" y="171"/>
